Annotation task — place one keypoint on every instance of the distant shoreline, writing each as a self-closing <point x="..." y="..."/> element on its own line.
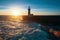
<point x="33" y="15"/>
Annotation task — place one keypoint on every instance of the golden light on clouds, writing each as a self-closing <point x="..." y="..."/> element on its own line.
<point x="13" y="10"/>
<point x="16" y="11"/>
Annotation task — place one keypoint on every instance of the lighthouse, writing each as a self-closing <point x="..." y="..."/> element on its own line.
<point x="29" y="12"/>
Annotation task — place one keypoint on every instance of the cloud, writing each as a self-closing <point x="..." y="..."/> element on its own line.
<point x="3" y="7"/>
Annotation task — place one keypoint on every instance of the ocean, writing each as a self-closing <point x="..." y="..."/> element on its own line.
<point x="18" y="29"/>
<point x="22" y="30"/>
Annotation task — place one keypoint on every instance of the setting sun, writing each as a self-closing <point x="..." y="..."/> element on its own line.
<point x="16" y="11"/>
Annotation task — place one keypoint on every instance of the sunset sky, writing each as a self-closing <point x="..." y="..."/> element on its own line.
<point x="38" y="7"/>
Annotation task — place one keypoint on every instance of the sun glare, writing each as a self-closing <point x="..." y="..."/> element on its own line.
<point x="15" y="11"/>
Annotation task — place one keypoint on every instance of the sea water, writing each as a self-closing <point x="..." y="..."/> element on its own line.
<point x="21" y="30"/>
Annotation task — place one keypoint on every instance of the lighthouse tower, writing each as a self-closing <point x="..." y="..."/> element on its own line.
<point x="29" y="12"/>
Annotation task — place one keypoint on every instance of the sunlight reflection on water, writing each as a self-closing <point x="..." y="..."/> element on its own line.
<point x="23" y="30"/>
